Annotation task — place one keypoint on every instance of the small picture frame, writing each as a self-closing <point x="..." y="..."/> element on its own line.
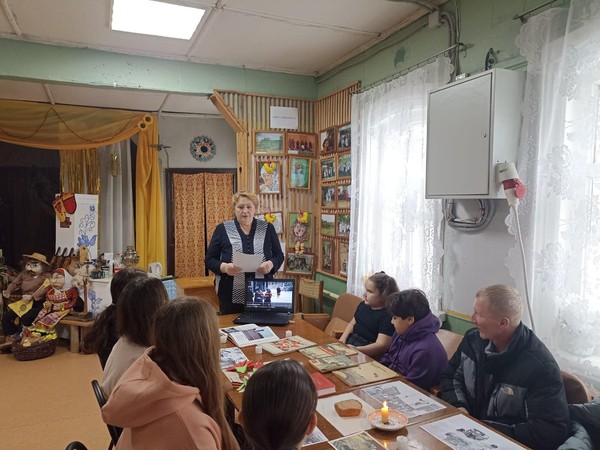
<point x="344" y="137"/>
<point x="268" y="142"/>
<point x="327" y="255"/>
<point x="275" y="218"/>
<point x="327" y="140"/>
<point x="328" y="225"/>
<point x="328" y="169"/>
<point x="301" y="264"/>
<point x="344" y="195"/>
<point x="299" y="172"/>
<point x="300" y="231"/>
<point x="343" y="225"/>
<point x="328" y="196"/>
<point x="342" y="261"/>
<point x="268" y="177"/>
<point x="344" y="168"/>
<point x="301" y="144"/>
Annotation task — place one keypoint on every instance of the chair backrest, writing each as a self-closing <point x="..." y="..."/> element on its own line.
<point x="310" y="289"/>
<point x="575" y="389"/>
<point x="450" y="341"/>
<point x="345" y="306"/>
<point x="114" y="432"/>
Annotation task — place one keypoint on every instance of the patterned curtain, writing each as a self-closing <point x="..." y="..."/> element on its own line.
<point x="217" y="194"/>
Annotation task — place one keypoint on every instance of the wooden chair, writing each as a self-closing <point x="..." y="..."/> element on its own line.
<point x="576" y="391"/>
<point x="450" y="341"/>
<point x="343" y="312"/>
<point x="114" y="432"/>
<point x="310" y="289"/>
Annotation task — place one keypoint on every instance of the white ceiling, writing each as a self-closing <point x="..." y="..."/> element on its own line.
<point x="306" y="37"/>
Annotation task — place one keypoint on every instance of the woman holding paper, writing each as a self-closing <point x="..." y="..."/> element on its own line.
<point x="243" y="235"/>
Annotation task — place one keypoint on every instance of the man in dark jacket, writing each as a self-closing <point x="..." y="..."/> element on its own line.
<point x="503" y="375"/>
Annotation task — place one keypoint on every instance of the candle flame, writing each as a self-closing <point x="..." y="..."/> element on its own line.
<point x="385" y="404"/>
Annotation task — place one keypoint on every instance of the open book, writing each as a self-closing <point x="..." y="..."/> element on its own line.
<point x="365" y="373"/>
<point x="250" y="334"/>
<point x="287" y="345"/>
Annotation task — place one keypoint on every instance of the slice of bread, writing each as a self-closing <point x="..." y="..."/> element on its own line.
<point x="348" y="408"/>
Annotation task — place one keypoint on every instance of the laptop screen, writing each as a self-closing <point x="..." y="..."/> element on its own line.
<point x="270" y="295"/>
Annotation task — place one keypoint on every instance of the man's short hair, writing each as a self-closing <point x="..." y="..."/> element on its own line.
<point x="504" y="300"/>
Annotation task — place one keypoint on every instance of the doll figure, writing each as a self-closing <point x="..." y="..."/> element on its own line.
<point x="60" y="298"/>
<point x="299" y="235"/>
<point x="31" y="284"/>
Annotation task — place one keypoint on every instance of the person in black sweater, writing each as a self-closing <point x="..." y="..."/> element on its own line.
<point x="243" y="234"/>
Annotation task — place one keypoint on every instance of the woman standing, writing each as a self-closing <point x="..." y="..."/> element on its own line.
<point x="244" y="234"/>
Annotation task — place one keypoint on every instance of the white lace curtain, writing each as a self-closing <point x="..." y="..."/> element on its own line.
<point x="116" y="198"/>
<point x="559" y="161"/>
<point x="393" y="227"/>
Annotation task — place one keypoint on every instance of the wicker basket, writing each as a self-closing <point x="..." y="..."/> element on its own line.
<point x="37" y="351"/>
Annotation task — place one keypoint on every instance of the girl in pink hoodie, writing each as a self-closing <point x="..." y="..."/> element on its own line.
<point x="172" y="396"/>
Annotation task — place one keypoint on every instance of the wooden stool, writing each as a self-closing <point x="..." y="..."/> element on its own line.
<point x="203" y="287"/>
<point x="75" y="326"/>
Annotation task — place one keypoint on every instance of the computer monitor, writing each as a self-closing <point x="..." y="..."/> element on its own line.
<point x="270" y="295"/>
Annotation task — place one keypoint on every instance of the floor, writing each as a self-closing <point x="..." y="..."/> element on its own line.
<point x="49" y="402"/>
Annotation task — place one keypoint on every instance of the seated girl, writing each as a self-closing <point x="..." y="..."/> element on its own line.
<point x="172" y="397"/>
<point x="138" y="303"/>
<point x="371" y="330"/>
<point x="104" y="334"/>
<point x="279" y="406"/>
<point x="416" y="352"/>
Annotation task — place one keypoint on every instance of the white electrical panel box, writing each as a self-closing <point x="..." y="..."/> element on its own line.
<point x="472" y="125"/>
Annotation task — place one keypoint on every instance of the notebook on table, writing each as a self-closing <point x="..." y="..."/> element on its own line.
<point x="268" y="302"/>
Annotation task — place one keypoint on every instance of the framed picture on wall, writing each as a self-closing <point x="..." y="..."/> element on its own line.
<point x="344" y="169"/>
<point x="328" y="169"/>
<point x="328" y="196"/>
<point x="343" y="195"/>
<point x="299" y="231"/>
<point x="299" y="172"/>
<point x="268" y="177"/>
<point x="327" y="255"/>
<point x="343" y="137"/>
<point x="302" y="264"/>
<point x="343" y="225"/>
<point x="268" y="143"/>
<point x="302" y="144"/>
<point x="342" y="261"/>
<point x="328" y="224"/>
<point x="275" y="218"/>
<point x="327" y="140"/>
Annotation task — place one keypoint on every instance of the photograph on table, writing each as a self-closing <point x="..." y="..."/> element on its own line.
<point x="299" y="231"/>
<point x="299" y="172"/>
<point x="344" y="193"/>
<point x="342" y="261"/>
<point x="274" y="218"/>
<point x="268" y="143"/>
<point x="328" y="196"/>
<point x="328" y="225"/>
<point x="328" y="168"/>
<point x="302" y="144"/>
<point x="343" y="137"/>
<point x="267" y="177"/>
<point x="344" y="169"/>
<point x="300" y="264"/>
<point x="327" y="255"/>
<point x="343" y="225"/>
<point x="327" y="140"/>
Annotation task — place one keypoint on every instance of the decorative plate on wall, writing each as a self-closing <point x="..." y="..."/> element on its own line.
<point x="203" y="148"/>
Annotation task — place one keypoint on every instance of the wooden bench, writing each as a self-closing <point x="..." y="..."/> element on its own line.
<point x="75" y="324"/>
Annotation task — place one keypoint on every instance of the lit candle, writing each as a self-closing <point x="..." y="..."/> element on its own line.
<point x="385" y="413"/>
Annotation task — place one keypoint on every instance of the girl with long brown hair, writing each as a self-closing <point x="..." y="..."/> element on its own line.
<point x="172" y="396"/>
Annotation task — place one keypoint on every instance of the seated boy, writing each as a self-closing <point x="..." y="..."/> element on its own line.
<point x="416" y="352"/>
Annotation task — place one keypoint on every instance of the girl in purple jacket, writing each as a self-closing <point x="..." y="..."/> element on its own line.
<point x="416" y="352"/>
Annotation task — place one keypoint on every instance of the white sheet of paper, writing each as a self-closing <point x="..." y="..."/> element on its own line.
<point x="345" y="425"/>
<point x="248" y="263"/>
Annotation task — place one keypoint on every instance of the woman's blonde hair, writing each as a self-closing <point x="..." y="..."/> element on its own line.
<point x="504" y="301"/>
<point x="246" y="194"/>
<point x="186" y="339"/>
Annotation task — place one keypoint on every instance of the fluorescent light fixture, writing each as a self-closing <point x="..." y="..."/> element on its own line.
<point x="155" y="18"/>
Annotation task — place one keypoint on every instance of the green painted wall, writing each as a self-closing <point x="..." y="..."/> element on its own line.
<point x="483" y="24"/>
<point x="53" y="64"/>
<point x="457" y="324"/>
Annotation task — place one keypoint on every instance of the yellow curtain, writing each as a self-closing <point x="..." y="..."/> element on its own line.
<point x="80" y="171"/>
<point x="149" y="228"/>
<point x="61" y="127"/>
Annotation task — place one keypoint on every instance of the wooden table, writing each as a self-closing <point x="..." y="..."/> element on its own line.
<point x="301" y="328"/>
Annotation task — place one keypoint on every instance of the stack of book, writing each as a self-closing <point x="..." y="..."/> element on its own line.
<point x="328" y="357"/>
<point x="287" y="345"/>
